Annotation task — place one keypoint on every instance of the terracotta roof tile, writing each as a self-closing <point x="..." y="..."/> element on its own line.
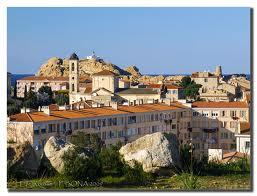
<point x="92" y="112"/>
<point x="105" y="73"/>
<point x="39" y="78"/>
<point x="169" y="86"/>
<point x="221" y="104"/>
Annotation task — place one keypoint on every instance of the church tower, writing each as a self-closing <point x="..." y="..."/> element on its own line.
<point x="73" y="74"/>
<point x="218" y="71"/>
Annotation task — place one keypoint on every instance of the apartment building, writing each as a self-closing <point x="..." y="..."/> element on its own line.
<point x="36" y="82"/>
<point x="112" y="124"/>
<point x="215" y="124"/>
<point x="206" y="124"/>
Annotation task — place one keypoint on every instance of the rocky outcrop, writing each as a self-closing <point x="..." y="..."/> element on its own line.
<point x="151" y="79"/>
<point x="22" y="159"/>
<point x="156" y="152"/>
<point x="60" y="67"/>
<point x="54" y="150"/>
<point x="134" y="71"/>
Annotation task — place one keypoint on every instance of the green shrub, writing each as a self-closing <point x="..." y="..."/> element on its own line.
<point x="136" y="175"/>
<point x="111" y="161"/>
<point x="189" y="180"/>
<point x="80" y="167"/>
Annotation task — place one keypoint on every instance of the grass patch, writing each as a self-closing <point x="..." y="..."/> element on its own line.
<point x="224" y="182"/>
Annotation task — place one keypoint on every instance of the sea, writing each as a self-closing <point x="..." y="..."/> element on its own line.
<point x="16" y="77"/>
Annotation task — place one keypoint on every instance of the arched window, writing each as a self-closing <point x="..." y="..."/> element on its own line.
<point x="72" y="67"/>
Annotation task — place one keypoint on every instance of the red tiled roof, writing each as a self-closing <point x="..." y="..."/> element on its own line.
<point x="39" y="78"/>
<point x="105" y="73"/>
<point x="92" y="112"/>
<point x="169" y="86"/>
<point x="221" y="104"/>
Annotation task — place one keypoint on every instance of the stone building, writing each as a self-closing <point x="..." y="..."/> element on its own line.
<point x="172" y="92"/>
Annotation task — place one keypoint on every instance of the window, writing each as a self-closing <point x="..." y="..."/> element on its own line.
<point x="58" y="128"/>
<point x="104" y="135"/>
<point x="103" y="122"/>
<point x="69" y="126"/>
<point x="72" y="67"/>
<point x="64" y="127"/>
<point x="232" y="113"/>
<point x="99" y="122"/>
<point x="173" y="126"/>
<point x="87" y="124"/>
<point x="76" y="125"/>
<point x="214" y="114"/>
<point x="154" y="129"/>
<point x="224" y="135"/>
<point x="51" y="128"/>
<point x="247" y="145"/>
<point x="121" y="133"/>
<point x="197" y="146"/>
<point x="72" y="87"/>
<point x="36" y="132"/>
<point x="205" y="114"/>
<point x="195" y="113"/>
<point x="132" y="119"/>
<point x="223" y="113"/>
<point x="205" y="79"/>
<point x="242" y="114"/>
<point x="112" y="134"/>
<point x="114" y="121"/>
<point x="173" y="115"/>
<point x="131" y="131"/>
<point x="81" y="125"/>
<point x="223" y="124"/>
<point x="232" y="135"/>
<point x="92" y="123"/>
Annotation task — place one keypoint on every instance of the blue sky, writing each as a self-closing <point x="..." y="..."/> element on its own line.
<point x="156" y="40"/>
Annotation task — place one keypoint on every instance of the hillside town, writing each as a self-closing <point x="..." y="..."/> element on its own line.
<point x="205" y="110"/>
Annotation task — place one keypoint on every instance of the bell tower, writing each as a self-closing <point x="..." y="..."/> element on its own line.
<point x="73" y="74"/>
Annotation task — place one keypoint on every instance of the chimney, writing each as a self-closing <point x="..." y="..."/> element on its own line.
<point x="167" y="101"/>
<point x="23" y="110"/>
<point x="46" y="110"/>
<point x="114" y="105"/>
<point x="39" y="108"/>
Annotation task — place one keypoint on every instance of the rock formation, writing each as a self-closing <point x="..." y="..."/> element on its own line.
<point x="22" y="159"/>
<point x="156" y="152"/>
<point x="60" y="67"/>
<point x="54" y="150"/>
<point x="134" y="71"/>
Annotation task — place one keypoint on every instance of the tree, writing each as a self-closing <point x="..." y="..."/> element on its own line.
<point x="92" y="141"/>
<point x="61" y="99"/>
<point x="185" y="81"/>
<point x="191" y="89"/>
<point x="25" y="92"/>
<point x="45" y="96"/>
<point x="30" y="100"/>
<point x="15" y="91"/>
